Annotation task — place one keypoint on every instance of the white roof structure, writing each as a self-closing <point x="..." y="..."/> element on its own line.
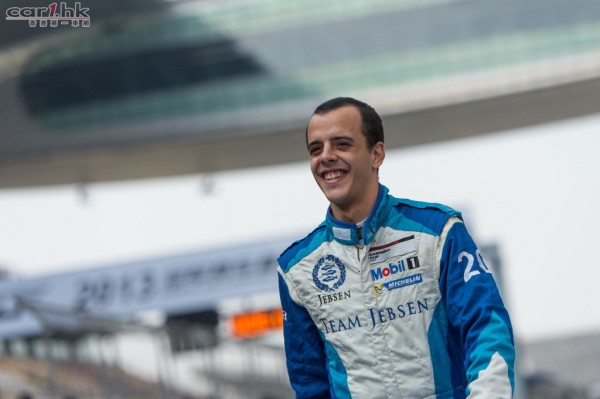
<point x="176" y="88"/>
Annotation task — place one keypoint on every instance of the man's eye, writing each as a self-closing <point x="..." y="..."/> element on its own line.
<point x="313" y="150"/>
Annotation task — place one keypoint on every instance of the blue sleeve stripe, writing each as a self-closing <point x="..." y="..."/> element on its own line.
<point x="477" y="316"/>
<point x="440" y="360"/>
<point x="305" y="355"/>
<point x="492" y="338"/>
<point x="447" y="374"/>
<point x="337" y="372"/>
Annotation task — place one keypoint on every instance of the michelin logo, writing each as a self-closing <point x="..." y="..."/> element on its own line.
<point x="402" y="282"/>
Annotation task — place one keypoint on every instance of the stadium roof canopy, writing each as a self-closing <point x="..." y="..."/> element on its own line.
<point x="158" y="88"/>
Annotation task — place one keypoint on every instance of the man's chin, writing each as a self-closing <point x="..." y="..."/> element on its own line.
<point x="332" y="193"/>
<point x="336" y="197"/>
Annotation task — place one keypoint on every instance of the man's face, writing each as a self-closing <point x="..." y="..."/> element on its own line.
<point x="341" y="162"/>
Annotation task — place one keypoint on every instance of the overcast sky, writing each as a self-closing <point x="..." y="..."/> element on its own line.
<point x="535" y="192"/>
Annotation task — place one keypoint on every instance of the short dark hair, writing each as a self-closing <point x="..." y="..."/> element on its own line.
<point x="372" y="127"/>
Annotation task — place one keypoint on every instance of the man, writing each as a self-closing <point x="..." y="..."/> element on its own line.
<point x="387" y="298"/>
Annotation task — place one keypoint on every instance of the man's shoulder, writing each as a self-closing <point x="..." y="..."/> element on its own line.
<point x="430" y="216"/>
<point x="431" y="206"/>
<point x="302" y="247"/>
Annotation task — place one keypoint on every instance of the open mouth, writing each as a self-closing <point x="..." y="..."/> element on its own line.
<point x="333" y="175"/>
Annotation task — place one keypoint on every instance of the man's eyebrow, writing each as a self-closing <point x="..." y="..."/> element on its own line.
<point x="314" y="142"/>
<point x="334" y="138"/>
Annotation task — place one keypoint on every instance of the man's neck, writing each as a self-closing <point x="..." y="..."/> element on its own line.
<point x="350" y="216"/>
<point x="355" y="213"/>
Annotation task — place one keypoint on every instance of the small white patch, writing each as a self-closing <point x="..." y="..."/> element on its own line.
<point x="387" y="252"/>
<point x="342" y="234"/>
<point x="493" y="382"/>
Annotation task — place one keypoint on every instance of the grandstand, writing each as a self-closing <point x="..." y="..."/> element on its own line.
<point x="20" y="376"/>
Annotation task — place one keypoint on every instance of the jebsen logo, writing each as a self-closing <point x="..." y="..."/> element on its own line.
<point x="377" y="317"/>
<point x="394" y="268"/>
<point x="336" y="296"/>
<point x="329" y="273"/>
<point x="54" y="15"/>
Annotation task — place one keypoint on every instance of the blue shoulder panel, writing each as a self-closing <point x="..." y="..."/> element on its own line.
<point x="301" y="248"/>
<point x="427" y="217"/>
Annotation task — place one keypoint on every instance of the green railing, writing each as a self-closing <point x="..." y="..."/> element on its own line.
<point x="496" y="52"/>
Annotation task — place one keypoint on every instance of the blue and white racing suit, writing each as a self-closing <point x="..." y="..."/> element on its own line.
<point x="410" y="311"/>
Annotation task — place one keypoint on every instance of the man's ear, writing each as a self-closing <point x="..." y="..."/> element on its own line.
<point x="377" y="154"/>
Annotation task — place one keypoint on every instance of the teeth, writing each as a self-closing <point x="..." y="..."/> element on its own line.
<point x="333" y="175"/>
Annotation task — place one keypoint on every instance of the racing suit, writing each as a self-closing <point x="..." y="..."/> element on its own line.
<point x="403" y="308"/>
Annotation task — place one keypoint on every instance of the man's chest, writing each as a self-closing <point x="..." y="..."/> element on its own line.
<point x="345" y="287"/>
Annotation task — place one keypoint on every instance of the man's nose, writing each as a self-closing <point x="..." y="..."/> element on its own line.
<point x="328" y="154"/>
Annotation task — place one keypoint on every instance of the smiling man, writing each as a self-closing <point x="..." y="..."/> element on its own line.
<point x="343" y="162"/>
<point x="388" y="297"/>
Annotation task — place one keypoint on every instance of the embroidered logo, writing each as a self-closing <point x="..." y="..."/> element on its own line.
<point x="329" y="273"/>
<point x="400" y="283"/>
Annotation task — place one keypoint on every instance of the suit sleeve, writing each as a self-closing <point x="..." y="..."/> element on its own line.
<point x="477" y="316"/>
<point x="304" y="349"/>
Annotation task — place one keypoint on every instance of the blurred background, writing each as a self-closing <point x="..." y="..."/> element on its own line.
<point x="153" y="166"/>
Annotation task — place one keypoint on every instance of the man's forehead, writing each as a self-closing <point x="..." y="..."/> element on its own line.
<point x="344" y="121"/>
<point x="346" y="113"/>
